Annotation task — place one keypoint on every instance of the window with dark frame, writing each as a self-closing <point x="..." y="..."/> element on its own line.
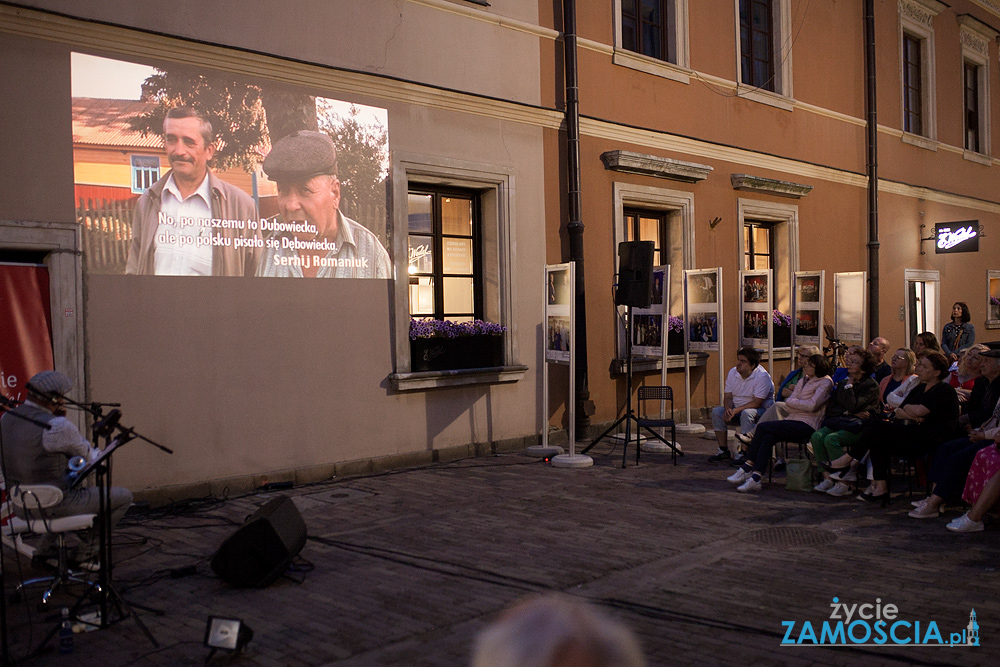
<point x="972" y="142"/>
<point x="757" y="44"/>
<point x="644" y="27"/>
<point x="444" y="267"/>
<point x="758" y="245"/>
<point x="912" y="85"/>
<point x="642" y="225"/>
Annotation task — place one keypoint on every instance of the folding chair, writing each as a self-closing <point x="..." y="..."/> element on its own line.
<point x="658" y="394"/>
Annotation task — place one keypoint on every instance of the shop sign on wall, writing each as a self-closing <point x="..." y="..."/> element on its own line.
<point x="962" y="236"/>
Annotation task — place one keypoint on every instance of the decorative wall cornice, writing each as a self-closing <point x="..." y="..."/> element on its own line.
<point x="653" y="165"/>
<point x="920" y="11"/>
<point x="769" y="186"/>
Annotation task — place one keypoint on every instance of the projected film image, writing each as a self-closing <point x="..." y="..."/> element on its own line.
<point x="191" y="172"/>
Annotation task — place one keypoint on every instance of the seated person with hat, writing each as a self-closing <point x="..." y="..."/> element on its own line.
<point x="36" y="455"/>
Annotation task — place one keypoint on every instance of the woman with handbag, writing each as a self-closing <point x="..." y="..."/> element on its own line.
<point x="805" y="407"/>
<point x="959" y="333"/>
<point x="854" y="399"/>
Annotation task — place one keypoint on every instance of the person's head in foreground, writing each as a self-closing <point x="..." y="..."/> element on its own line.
<point x="556" y="631"/>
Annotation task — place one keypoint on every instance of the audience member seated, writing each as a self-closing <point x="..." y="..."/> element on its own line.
<point x="963" y="378"/>
<point x="928" y="417"/>
<point x="959" y="334"/>
<point x="903" y="362"/>
<point x="984" y="396"/>
<point x="556" y="631"/>
<point x="853" y="401"/>
<point x="982" y="490"/>
<point x="805" y="407"/>
<point x="748" y="393"/>
<point x="925" y="341"/>
<point x="878" y="347"/>
<point x="777" y="409"/>
<point x="840" y="372"/>
<point x="952" y="460"/>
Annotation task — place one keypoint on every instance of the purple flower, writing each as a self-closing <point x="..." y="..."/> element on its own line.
<point x="994" y="301"/>
<point x="431" y="328"/>
<point x="675" y="324"/>
<point x="780" y="319"/>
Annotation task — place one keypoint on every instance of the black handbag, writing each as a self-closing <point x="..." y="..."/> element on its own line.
<point x="848" y="423"/>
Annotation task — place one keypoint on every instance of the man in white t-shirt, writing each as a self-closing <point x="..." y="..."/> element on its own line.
<point x="749" y="392"/>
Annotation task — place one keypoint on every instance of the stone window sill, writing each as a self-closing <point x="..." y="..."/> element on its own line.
<point x="458" y="378"/>
<point x="919" y="141"/>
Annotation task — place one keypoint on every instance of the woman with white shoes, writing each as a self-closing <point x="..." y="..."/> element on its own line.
<point x="805" y="407"/>
<point x="982" y="489"/>
<point x="853" y="401"/>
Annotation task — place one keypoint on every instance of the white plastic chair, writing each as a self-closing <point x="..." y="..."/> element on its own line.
<point x="36" y="498"/>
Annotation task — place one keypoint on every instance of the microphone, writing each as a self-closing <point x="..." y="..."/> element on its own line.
<point x="106" y="426"/>
<point x="8" y="403"/>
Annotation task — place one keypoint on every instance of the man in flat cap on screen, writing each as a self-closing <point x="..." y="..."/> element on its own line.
<point x="311" y="237"/>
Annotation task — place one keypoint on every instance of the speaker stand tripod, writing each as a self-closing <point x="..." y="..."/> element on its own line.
<point x="629" y="417"/>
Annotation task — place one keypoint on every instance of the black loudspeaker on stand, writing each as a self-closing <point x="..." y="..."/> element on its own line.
<point x="261" y="550"/>
<point x="634" y="289"/>
<point x="635" y="274"/>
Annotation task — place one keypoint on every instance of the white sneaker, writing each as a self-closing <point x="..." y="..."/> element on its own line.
<point x="840" y="489"/>
<point x="964" y="524"/>
<point x="918" y="503"/>
<point x="824" y="486"/>
<point x="738" y="477"/>
<point x="849" y="476"/>
<point x="750" y="486"/>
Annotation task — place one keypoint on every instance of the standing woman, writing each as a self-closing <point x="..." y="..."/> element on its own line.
<point x="958" y="334"/>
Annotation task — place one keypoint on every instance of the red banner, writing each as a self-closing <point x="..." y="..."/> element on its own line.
<point x="25" y="332"/>
<point x="25" y="326"/>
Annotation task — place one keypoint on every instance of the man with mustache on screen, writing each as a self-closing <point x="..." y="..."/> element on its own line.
<point x="311" y="237"/>
<point x="191" y="223"/>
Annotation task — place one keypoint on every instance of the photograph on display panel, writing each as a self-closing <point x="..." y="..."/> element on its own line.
<point x="703" y="328"/>
<point x="807" y="289"/>
<point x="185" y="171"/>
<point x="558" y="312"/>
<point x="807" y="324"/>
<point x="647" y="334"/>
<point x="702" y="288"/>
<point x="755" y="289"/>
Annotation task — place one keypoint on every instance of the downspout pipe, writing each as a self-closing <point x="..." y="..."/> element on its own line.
<point x="872" y="169"/>
<point x="574" y="228"/>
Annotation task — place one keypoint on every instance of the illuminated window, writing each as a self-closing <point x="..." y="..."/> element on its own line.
<point x="758" y="247"/>
<point x="145" y="172"/>
<point x="443" y="250"/>
<point x="648" y="226"/>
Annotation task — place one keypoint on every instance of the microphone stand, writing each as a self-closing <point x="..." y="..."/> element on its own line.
<point x="106" y="426"/>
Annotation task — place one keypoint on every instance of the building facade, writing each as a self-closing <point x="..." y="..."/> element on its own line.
<point x="732" y="133"/>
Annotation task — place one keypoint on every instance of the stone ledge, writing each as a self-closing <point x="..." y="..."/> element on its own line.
<point x="769" y="186"/>
<point x="652" y="165"/>
<point x="458" y="378"/>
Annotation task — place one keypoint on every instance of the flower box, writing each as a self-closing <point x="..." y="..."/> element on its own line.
<point x="437" y="345"/>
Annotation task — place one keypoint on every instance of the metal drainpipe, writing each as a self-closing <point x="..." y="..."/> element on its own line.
<point x="584" y="406"/>
<point x="872" y="141"/>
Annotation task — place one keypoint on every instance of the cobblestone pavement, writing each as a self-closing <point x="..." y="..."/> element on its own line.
<point x="407" y="566"/>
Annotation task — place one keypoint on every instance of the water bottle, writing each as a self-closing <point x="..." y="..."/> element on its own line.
<point x="65" y="633"/>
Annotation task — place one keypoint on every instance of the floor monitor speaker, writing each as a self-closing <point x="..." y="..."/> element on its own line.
<point x="263" y="547"/>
